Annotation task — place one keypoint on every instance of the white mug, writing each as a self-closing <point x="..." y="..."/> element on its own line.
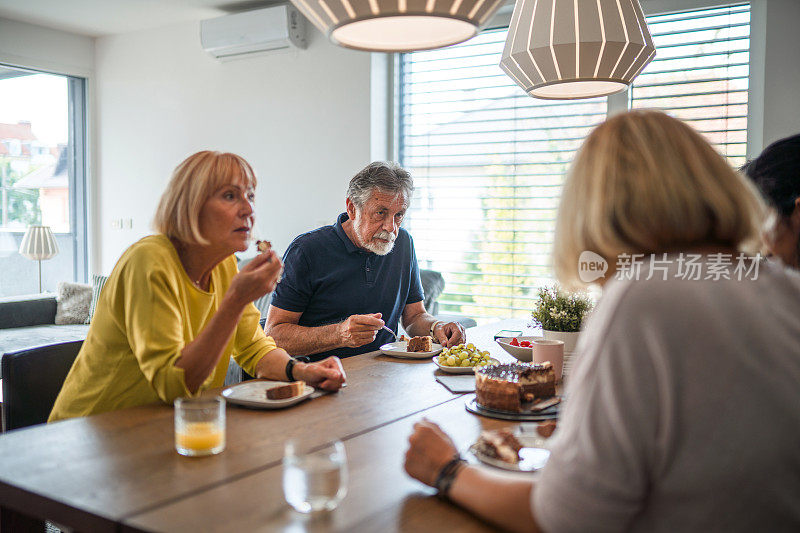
<point x="549" y="350"/>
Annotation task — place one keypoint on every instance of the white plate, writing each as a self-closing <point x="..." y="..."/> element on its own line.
<point x="398" y="349"/>
<point x="460" y="369"/>
<point x="254" y="394"/>
<point x="533" y="455"/>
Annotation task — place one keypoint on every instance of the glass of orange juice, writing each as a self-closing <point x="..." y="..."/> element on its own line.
<point x="199" y="426"/>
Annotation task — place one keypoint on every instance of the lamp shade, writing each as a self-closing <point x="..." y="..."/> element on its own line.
<point x="398" y="25"/>
<point x="38" y="243"/>
<point x="567" y="49"/>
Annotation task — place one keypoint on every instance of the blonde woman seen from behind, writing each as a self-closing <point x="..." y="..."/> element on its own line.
<point x="681" y="408"/>
<point x="175" y="307"/>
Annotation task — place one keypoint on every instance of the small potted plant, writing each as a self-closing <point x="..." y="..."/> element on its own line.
<point x="560" y="314"/>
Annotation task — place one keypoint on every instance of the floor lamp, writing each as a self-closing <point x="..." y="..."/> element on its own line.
<point x="39" y="244"/>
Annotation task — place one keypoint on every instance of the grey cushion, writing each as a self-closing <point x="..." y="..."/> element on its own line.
<point x="98" y="282"/>
<point x="33" y="310"/>
<point x="73" y="303"/>
<point x="15" y="339"/>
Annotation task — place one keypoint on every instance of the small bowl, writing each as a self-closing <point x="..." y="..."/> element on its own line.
<point x="519" y="352"/>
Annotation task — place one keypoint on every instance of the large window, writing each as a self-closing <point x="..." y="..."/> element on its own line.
<point x="488" y="161"/>
<point x="42" y="178"/>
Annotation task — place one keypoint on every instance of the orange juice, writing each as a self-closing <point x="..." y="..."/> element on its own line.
<point x="200" y="438"/>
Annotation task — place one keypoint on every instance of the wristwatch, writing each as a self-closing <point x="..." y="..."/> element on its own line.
<point x="290" y="366"/>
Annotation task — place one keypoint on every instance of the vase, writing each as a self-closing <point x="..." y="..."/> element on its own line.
<point x="570" y="338"/>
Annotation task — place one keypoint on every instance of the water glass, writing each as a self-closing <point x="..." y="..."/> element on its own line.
<point x="314" y="479"/>
<point x="199" y="426"/>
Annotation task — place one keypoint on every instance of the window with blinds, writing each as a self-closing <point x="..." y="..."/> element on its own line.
<point x="489" y="161"/>
<point x="700" y="74"/>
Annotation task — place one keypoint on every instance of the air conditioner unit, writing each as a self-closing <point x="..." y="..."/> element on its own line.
<point x="251" y="32"/>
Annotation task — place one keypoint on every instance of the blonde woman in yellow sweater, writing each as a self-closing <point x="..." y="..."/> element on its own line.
<point x="175" y="308"/>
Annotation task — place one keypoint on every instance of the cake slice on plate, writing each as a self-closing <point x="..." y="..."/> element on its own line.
<point x="284" y="392"/>
<point x="419" y="344"/>
<point x="499" y="444"/>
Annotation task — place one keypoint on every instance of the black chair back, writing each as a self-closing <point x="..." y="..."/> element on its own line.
<point x="32" y="379"/>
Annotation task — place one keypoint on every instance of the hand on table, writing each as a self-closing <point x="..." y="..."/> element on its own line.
<point x="359" y="330"/>
<point x="430" y="450"/>
<point x="449" y="334"/>
<point x="327" y="374"/>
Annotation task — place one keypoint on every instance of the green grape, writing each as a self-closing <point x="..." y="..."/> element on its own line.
<point x="470" y="347"/>
<point x="465" y="363"/>
<point x="451" y="361"/>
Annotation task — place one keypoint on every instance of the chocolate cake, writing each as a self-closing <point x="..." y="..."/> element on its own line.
<point x="505" y="387"/>
<point x="419" y="344"/>
<point x="500" y="444"/>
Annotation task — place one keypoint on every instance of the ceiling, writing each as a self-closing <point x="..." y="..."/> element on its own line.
<point x="105" y="17"/>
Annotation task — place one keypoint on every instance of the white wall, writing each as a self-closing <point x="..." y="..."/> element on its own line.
<point x="774" y="106"/>
<point x="300" y="117"/>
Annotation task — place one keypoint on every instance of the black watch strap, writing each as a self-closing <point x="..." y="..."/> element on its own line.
<point x="290" y="368"/>
<point x="290" y="365"/>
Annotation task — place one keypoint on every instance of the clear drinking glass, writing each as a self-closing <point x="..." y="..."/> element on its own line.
<point x="314" y="480"/>
<point x="199" y="426"/>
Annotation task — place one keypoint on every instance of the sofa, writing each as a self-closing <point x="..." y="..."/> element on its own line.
<point x="29" y="321"/>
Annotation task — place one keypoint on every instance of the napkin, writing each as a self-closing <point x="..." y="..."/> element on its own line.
<point x="458" y="383"/>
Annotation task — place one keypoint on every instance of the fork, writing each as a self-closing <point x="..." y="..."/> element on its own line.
<point x="390" y="331"/>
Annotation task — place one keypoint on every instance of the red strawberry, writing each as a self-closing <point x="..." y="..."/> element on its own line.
<point x="525" y="344"/>
<point x="514" y="342"/>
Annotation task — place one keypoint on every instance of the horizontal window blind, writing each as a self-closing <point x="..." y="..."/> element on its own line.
<point x="700" y="74"/>
<point x="489" y="161"/>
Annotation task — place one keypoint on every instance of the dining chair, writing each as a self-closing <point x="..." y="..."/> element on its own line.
<point x="32" y="378"/>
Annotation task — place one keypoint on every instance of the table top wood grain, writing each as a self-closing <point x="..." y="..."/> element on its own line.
<point x="381" y="496"/>
<point x="98" y="472"/>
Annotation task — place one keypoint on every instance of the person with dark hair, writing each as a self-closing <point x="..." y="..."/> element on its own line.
<point x="342" y="283"/>
<point x="776" y="172"/>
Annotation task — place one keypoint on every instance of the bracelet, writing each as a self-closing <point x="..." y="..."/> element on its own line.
<point x="433" y="326"/>
<point x="447" y="476"/>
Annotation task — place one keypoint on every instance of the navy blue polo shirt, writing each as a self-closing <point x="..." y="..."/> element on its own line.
<point x="328" y="278"/>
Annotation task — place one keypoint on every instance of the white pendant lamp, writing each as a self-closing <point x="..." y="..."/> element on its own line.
<point x="398" y="25"/>
<point x="568" y="49"/>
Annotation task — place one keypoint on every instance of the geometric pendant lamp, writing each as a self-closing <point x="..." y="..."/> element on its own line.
<point x="567" y="49"/>
<point x="398" y="25"/>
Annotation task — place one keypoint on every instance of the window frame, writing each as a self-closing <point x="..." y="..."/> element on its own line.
<point x="77" y="160"/>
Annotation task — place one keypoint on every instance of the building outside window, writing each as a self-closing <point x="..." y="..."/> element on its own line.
<point x="489" y="161"/>
<point x="42" y="176"/>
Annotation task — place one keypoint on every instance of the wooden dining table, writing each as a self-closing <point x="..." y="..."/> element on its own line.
<point x="119" y="471"/>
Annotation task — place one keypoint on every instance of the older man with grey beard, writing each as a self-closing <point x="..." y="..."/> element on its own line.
<point x="342" y="283"/>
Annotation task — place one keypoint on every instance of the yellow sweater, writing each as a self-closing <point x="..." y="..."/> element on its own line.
<point x="147" y="312"/>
